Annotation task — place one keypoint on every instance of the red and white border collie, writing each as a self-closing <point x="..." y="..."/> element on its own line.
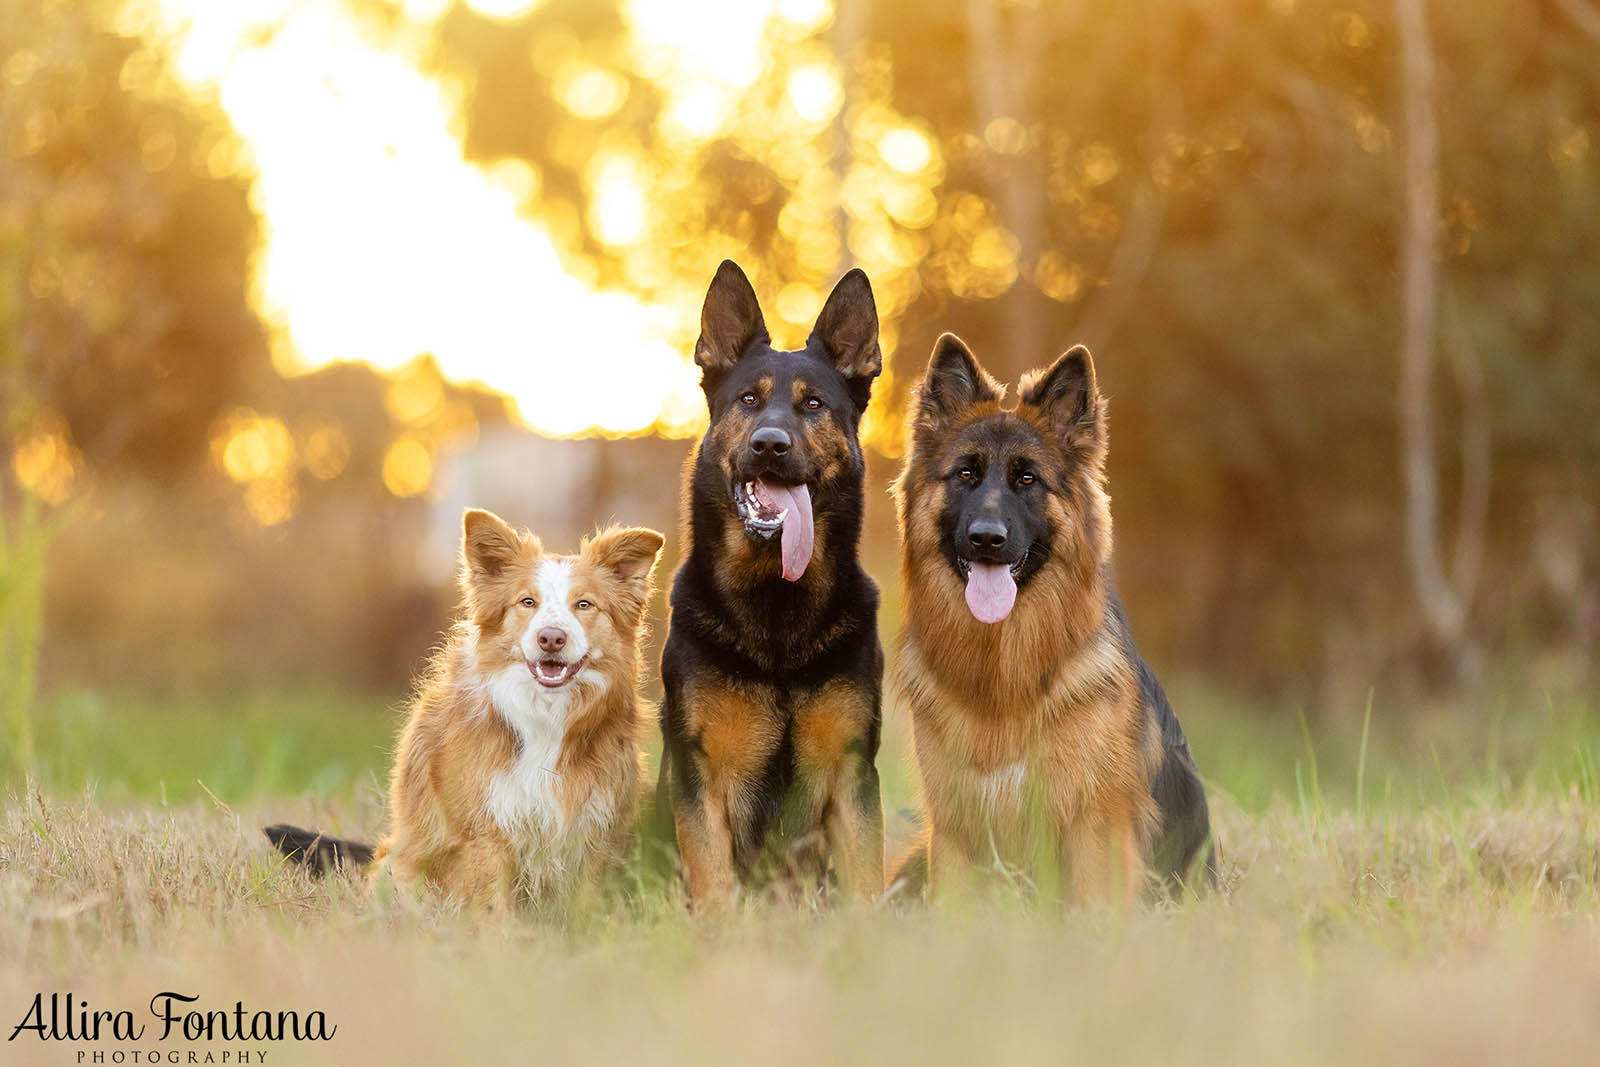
<point x="517" y="773"/>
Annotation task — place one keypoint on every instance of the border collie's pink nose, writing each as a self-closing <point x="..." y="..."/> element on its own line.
<point x="552" y="639"/>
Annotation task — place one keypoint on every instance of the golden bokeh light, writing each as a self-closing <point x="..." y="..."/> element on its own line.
<point x="798" y="303"/>
<point x="45" y="462"/>
<point x="408" y="466"/>
<point x="815" y="91"/>
<point x="806" y="14"/>
<point x="1006" y="135"/>
<point x="415" y="392"/>
<point x="346" y="131"/>
<point x="1058" y="278"/>
<point x="249" y="447"/>
<point x="347" y="136"/>
<point x="326" y="451"/>
<point x="907" y="150"/>
<point x="502" y="9"/>
<point x="517" y="178"/>
<point x="590" y="92"/>
<point x="618" y="211"/>
<point x="271" y="501"/>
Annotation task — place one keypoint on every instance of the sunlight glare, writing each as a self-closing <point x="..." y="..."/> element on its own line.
<point x="905" y="149"/>
<point x="502" y="9"/>
<point x="815" y="92"/>
<point x="590" y="92"/>
<point x="617" y="207"/>
<point x="381" y="242"/>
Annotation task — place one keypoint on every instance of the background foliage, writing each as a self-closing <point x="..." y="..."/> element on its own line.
<point x="1209" y="193"/>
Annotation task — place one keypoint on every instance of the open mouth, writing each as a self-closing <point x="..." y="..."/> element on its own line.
<point x="770" y="509"/>
<point x="762" y="517"/>
<point x="964" y="565"/>
<point x="553" y="673"/>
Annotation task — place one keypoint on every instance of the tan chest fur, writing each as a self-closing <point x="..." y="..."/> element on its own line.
<point x="1069" y="757"/>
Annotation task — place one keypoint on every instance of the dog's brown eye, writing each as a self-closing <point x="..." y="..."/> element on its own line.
<point x="748" y="400"/>
<point x="584" y="604"/>
<point x="1026" y="478"/>
<point x="813" y="403"/>
<point x="527" y="601"/>
<point x="965" y="474"/>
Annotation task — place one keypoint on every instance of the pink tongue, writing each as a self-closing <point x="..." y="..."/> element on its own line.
<point x="797" y="527"/>
<point x="990" y="591"/>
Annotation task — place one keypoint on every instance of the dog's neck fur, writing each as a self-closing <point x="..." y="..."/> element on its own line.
<point x="1053" y="637"/>
<point x="550" y="731"/>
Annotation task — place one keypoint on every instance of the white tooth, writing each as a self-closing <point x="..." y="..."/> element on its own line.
<point x="781" y="515"/>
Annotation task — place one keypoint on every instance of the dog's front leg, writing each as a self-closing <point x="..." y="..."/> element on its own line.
<point x="1103" y="861"/>
<point x="853" y="824"/>
<point x="705" y="843"/>
<point x="482" y="874"/>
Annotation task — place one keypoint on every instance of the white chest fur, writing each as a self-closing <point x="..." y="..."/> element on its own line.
<point x="1002" y="787"/>
<point x="526" y="800"/>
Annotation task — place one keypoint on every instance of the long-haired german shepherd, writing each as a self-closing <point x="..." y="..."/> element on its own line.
<point x="772" y="666"/>
<point x="1040" y="733"/>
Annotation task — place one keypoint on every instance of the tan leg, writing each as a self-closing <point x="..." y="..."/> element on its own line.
<point x="951" y="867"/>
<point x="1104" y="864"/>
<point x="481" y="874"/>
<point x="853" y="823"/>
<point x="705" y="843"/>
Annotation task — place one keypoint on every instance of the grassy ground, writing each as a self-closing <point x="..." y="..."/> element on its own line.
<point x="1434" y="903"/>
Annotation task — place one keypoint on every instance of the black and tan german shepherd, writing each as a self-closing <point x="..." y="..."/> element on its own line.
<point x="772" y="666"/>
<point x="1042" y="738"/>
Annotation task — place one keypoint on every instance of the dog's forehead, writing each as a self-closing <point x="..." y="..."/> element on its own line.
<point x="998" y="435"/>
<point x="586" y="572"/>
<point x="783" y="369"/>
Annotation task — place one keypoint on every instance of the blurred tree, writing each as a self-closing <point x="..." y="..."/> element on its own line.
<point x="1215" y="197"/>
<point x="126" y="235"/>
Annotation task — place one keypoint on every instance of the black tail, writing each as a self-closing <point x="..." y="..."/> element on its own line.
<point x="316" y="851"/>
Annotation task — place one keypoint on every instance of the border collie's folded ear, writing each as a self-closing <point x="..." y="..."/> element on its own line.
<point x="1066" y="396"/>
<point x="730" y="320"/>
<point x="488" y="545"/>
<point x="629" y="552"/>
<point x="848" y="328"/>
<point x="954" y="383"/>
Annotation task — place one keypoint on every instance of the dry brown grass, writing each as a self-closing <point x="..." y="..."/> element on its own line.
<point x="1434" y="935"/>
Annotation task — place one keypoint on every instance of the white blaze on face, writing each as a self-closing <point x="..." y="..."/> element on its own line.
<point x="554" y="581"/>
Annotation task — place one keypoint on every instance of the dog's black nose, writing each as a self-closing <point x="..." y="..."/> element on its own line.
<point x="987" y="535"/>
<point x="552" y="639"/>
<point x="769" y="441"/>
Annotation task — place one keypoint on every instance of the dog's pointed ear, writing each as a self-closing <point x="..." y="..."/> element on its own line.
<point x="848" y="328"/>
<point x="488" y="545"/>
<point x="954" y="383"/>
<point x="1066" y="396"/>
<point x="629" y="552"/>
<point x="730" y="320"/>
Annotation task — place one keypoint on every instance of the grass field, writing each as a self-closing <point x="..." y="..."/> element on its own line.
<point x="1432" y="902"/>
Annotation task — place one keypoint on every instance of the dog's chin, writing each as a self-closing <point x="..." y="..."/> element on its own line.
<point x="555" y="674"/>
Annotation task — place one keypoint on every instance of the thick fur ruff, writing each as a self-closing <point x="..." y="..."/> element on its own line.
<point x="1044" y="741"/>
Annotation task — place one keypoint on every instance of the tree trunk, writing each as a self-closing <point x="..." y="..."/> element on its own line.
<point x="1443" y="599"/>
<point x="1003" y="60"/>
